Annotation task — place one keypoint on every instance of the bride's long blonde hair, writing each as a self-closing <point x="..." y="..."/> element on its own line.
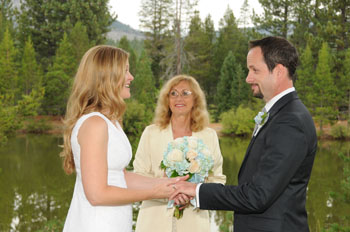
<point x="97" y="86"/>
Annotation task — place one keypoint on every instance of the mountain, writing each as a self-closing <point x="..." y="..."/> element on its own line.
<point x="119" y="29"/>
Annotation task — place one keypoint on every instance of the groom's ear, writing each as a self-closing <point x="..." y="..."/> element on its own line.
<point x="281" y="71"/>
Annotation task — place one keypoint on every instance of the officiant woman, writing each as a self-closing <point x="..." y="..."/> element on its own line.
<point x="181" y="111"/>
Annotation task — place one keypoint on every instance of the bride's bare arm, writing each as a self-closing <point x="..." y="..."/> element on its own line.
<point x="93" y="140"/>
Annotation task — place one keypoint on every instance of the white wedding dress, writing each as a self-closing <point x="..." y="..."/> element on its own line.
<point x="82" y="216"/>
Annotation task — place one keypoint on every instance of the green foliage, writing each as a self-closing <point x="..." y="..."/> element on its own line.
<point x="47" y="21"/>
<point x="143" y="87"/>
<point x="8" y="66"/>
<point x="155" y="18"/>
<point x="135" y="120"/>
<point x="9" y="120"/>
<point x="344" y="87"/>
<point x="11" y="115"/>
<point x="240" y="90"/>
<point x="176" y="58"/>
<point x="124" y="44"/>
<point x="223" y="97"/>
<point x="6" y="17"/>
<point x="305" y="74"/>
<point x="324" y="98"/>
<point x="36" y="125"/>
<point x="231" y="89"/>
<point x="238" y="121"/>
<point x="231" y="39"/>
<point x="58" y="79"/>
<point x="277" y="17"/>
<point x="199" y="47"/>
<point x="30" y="75"/>
<point x="339" y="132"/>
<point x="30" y="104"/>
<point x="79" y="39"/>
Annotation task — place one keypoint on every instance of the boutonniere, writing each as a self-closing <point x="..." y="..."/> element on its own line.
<point x="261" y="118"/>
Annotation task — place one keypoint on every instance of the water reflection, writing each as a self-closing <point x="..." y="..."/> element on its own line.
<point x="35" y="193"/>
<point x="34" y="188"/>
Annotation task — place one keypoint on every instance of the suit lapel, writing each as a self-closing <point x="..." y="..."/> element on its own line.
<point x="272" y="112"/>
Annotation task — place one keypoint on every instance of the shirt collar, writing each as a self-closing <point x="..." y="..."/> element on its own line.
<point x="270" y="103"/>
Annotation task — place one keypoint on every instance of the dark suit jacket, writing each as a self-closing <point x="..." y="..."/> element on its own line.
<point x="273" y="178"/>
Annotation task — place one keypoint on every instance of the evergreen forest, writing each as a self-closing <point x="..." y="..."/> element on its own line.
<point x="42" y="42"/>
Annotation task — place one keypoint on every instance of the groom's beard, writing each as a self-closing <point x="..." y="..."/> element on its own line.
<point x="258" y="94"/>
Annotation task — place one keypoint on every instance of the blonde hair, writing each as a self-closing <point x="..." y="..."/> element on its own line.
<point x="199" y="113"/>
<point x="96" y="87"/>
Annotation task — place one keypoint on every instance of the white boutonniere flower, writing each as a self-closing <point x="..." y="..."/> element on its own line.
<point x="261" y="118"/>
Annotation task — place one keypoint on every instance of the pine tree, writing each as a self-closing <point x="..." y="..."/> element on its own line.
<point x="155" y="18"/>
<point x="46" y="22"/>
<point x="8" y="66"/>
<point x="199" y="48"/>
<point x="305" y="77"/>
<point x="223" y="96"/>
<point x="30" y="76"/>
<point x="302" y="22"/>
<point x="125" y="45"/>
<point x="240" y="91"/>
<point x="194" y="45"/>
<point x="59" y="78"/>
<point x="79" y="38"/>
<point x="184" y="9"/>
<point x="276" y="18"/>
<point x="143" y="87"/>
<point x="244" y="19"/>
<point x="6" y="17"/>
<point x="324" y="88"/>
<point x="210" y="81"/>
<point x="345" y="87"/>
<point x="230" y="39"/>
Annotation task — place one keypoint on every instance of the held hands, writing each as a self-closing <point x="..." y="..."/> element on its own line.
<point x="167" y="186"/>
<point x="177" y="189"/>
<point x="183" y="192"/>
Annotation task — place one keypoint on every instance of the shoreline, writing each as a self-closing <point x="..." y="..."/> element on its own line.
<point x="56" y="127"/>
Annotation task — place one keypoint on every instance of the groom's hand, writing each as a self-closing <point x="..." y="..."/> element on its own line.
<point x="183" y="187"/>
<point x="182" y="200"/>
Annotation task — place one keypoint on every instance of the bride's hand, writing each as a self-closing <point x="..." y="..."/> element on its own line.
<point x="166" y="186"/>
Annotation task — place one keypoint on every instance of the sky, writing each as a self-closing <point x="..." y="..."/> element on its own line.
<point x="127" y="10"/>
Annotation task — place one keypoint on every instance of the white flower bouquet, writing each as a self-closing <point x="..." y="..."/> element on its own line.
<point x="187" y="156"/>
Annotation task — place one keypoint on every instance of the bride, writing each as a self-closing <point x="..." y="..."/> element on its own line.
<point x="97" y="149"/>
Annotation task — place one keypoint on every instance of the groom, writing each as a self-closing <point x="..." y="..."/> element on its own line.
<point x="273" y="178"/>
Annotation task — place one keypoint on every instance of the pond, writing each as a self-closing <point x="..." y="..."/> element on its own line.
<point x="35" y="193"/>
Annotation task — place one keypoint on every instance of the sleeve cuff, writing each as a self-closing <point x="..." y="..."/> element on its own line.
<point x="197" y="194"/>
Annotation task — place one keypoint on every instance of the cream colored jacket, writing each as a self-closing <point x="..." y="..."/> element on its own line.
<point x="154" y="215"/>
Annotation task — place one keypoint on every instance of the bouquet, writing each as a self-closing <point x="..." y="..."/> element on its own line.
<point x="187" y="156"/>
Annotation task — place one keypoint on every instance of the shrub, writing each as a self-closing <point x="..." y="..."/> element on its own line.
<point x="136" y="118"/>
<point x="339" y="132"/>
<point x="36" y="126"/>
<point x="238" y="122"/>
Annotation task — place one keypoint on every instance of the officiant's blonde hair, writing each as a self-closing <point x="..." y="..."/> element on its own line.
<point x="199" y="113"/>
<point x="96" y="88"/>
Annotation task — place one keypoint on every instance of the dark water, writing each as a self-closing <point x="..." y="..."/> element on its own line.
<point x="35" y="193"/>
